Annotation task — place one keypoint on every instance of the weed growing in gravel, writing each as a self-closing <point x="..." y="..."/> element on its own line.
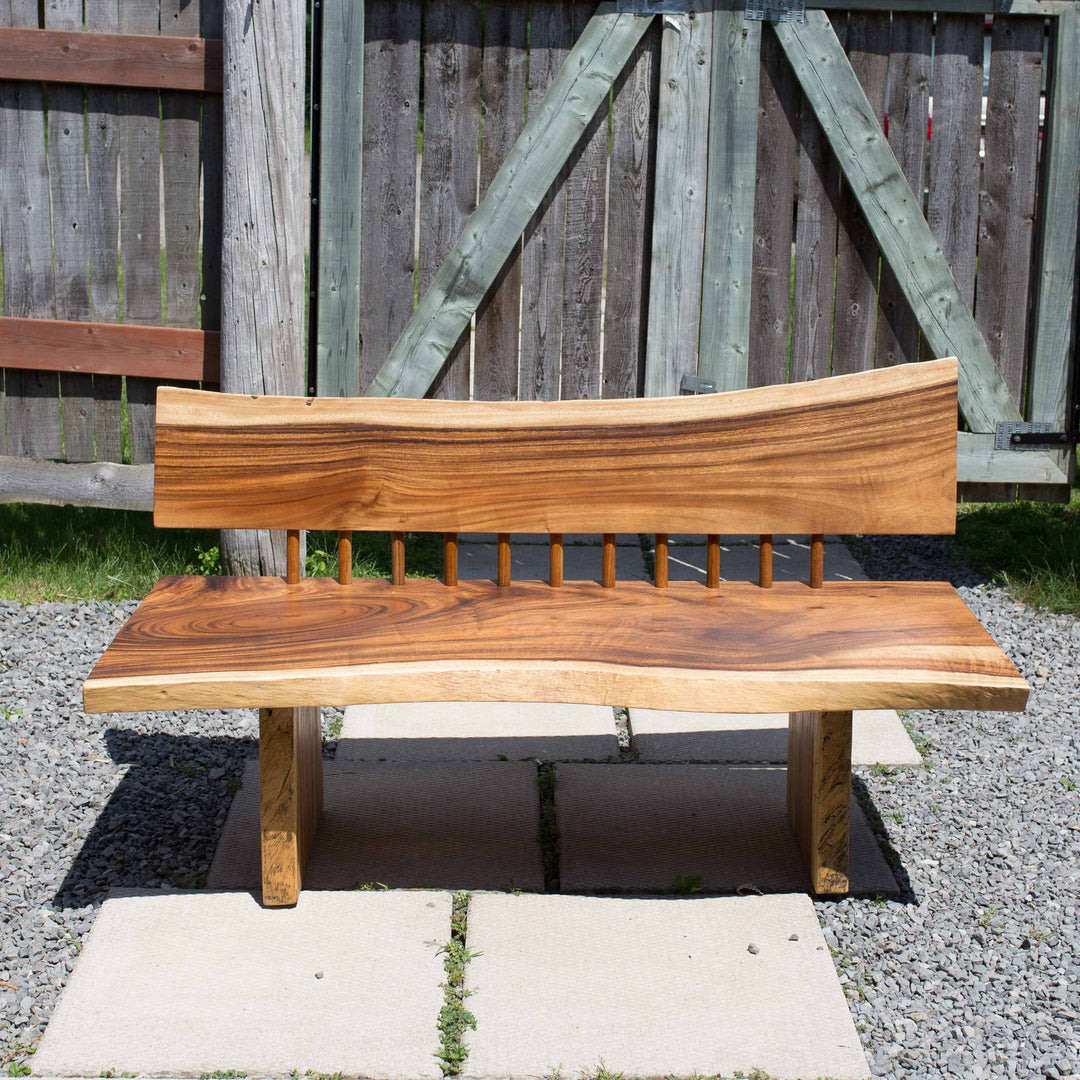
<point x="602" y="1072"/>
<point x="1068" y="783"/>
<point x="684" y="886"/>
<point x="223" y="1074"/>
<point x="454" y="1018"/>
<point x="18" y="1069"/>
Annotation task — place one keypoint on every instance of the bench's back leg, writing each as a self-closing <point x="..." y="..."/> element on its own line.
<point x="819" y="794"/>
<point x="290" y="798"/>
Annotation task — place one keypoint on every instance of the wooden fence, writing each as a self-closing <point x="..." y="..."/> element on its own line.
<point x="702" y="223"/>
<point x="110" y="231"/>
<point x="529" y="199"/>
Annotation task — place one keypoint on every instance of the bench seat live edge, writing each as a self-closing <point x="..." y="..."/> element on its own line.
<point x="873" y="452"/>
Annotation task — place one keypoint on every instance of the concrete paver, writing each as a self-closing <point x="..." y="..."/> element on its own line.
<point x="654" y="988"/>
<point x="666" y="828"/>
<point x="189" y="984"/>
<point x="477" y="731"/>
<point x="878" y="737"/>
<point x="455" y="826"/>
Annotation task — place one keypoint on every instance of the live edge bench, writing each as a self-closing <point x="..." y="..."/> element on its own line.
<point x="867" y="453"/>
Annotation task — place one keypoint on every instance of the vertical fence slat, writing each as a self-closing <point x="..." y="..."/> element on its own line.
<point x="212" y="161"/>
<point x="630" y="205"/>
<point x="103" y="146"/>
<point x="584" y="249"/>
<point x="856" y="250"/>
<point x="391" y="90"/>
<point x="774" y="199"/>
<point x="1008" y="205"/>
<point x="550" y="37"/>
<point x="448" y="169"/>
<point x="140" y="225"/>
<point x="953" y="205"/>
<point x="180" y="171"/>
<point x="815" y="248"/>
<point x="1057" y="259"/>
<point x="340" y="124"/>
<point x="67" y="181"/>
<point x="724" y="342"/>
<point x="506" y="89"/>
<point x="909" y="98"/>
<point x="682" y="162"/>
<point x="32" y="404"/>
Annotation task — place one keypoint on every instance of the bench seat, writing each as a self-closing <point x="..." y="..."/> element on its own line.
<point x="245" y="642"/>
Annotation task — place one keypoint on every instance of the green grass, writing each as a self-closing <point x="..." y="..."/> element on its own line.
<point x="1033" y="549"/>
<point x="52" y="553"/>
<point x="454" y="1018"/>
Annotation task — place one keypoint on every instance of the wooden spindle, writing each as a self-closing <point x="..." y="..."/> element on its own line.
<point x="765" y="564"/>
<point x="556" y="564"/>
<point x="292" y="556"/>
<point x="817" y="561"/>
<point x="607" y="574"/>
<point x="504" y="560"/>
<point x="450" y="554"/>
<point x="397" y="558"/>
<point x="660" y="567"/>
<point x="712" y="562"/>
<point x="344" y="558"/>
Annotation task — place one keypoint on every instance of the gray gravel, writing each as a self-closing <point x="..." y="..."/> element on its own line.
<point x="973" y="972"/>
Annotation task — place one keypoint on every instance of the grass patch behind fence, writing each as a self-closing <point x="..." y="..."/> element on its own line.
<point x="67" y="554"/>
<point x="1033" y="549"/>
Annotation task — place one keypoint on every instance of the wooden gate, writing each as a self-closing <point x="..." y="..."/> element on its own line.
<point x="564" y="199"/>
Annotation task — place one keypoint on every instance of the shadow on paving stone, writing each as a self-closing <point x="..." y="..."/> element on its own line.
<point x="162" y="823"/>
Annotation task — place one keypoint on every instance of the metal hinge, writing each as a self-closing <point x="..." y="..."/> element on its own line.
<point x="1033" y="435"/>
<point x="692" y="384"/>
<point x="651" y="7"/>
<point x="776" y="10"/>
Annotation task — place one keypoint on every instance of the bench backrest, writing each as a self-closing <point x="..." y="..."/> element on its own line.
<point x="872" y="452"/>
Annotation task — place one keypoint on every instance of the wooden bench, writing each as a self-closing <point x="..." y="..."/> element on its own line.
<point x="870" y="453"/>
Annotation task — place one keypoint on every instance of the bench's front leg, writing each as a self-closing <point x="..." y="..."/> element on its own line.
<point x="819" y="794"/>
<point x="290" y="798"/>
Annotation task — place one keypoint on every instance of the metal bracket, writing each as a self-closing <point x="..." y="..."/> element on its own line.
<point x="652" y="7"/>
<point x="692" y="384"/>
<point x="1030" y="435"/>
<point x="776" y="10"/>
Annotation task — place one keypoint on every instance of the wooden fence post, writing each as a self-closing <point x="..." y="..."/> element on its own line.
<point x="264" y="222"/>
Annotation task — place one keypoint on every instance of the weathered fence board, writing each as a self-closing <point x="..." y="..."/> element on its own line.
<point x="724" y="341"/>
<point x="857" y="255"/>
<point x="774" y="202"/>
<point x="542" y="264"/>
<point x="678" y="234"/>
<point x="452" y="62"/>
<point x="909" y="108"/>
<point x="630" y="204"/>
<point x="503" y="115"/>
<point x="71" y="255"/>
<point x="32" y="405"/>
<point x="103" y="146"/>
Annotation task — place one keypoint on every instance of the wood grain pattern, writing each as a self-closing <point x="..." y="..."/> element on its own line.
<point x="290" y="798"/>
<point x="135" y="60"/>
<point x="104" y="484"/>
<point x="157" y="352"/>
<point x="817" y="561"/>
<point x="819" y="795"/>
<point x="292" y="556"/>
<point x="227" y="642"/>
<point x="397" y="558"/>
<point x="872" y="452"/>
<point x="503" y="569"/>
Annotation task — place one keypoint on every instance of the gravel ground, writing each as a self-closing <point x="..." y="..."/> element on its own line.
<point x="974" y="972"/>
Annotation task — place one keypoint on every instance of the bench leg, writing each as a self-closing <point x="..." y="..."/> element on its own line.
<point x="290" y="798"/>
<point x="819" y="794"/>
